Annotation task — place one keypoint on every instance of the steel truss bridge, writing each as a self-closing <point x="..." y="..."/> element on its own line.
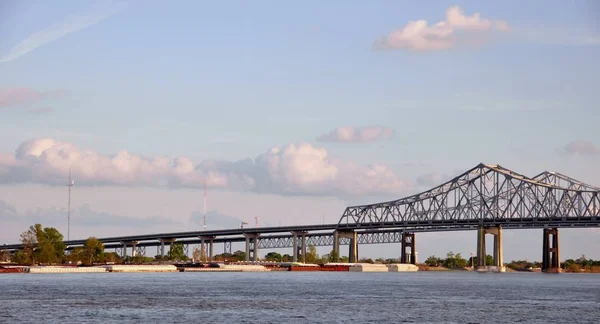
<point x="482" y="197"/>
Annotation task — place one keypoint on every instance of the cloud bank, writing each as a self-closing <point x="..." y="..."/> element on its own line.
<point x="351" y="134"/>
<point x="581" y="148"/>
<point x="295" y="169"/>
<point x="49" y="34"/>
<point x="458" y="29"/>
<point x="24" y="96"/>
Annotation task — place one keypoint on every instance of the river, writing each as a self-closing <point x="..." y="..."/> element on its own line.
<point x="299" y="297"/>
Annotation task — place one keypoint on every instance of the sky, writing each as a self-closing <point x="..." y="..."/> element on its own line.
<point x="289" y="111"/>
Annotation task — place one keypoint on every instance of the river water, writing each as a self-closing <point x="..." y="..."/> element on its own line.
<point x="299" y="297"/>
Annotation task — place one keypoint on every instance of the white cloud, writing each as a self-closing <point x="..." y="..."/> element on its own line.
<point x="581" y="147"/>
<point x="351" y="134"/>
<point x="49" y="34"/>
<point x="457" y="29"/>
<point x="296" y="169"/>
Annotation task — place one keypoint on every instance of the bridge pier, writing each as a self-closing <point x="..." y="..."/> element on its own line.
<point x="550" y="252"/>
<point x="206" y="245"/>
<point x="299" y="249"/>
<point x="129" y="243"/>
<point x="498" y="265"/>
<point x="162" y="245"/>
<point x="353" y="248"/>
<point x="408" y="241"/>
<point x="252" y="245"/>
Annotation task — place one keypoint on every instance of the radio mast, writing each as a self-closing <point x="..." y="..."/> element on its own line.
<point x="71" y="184"/>
<point x="204" y="220"/>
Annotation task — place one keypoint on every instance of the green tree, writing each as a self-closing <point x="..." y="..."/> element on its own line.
<point x="112" y="257"/>
<point x="273" y="256"/>
<point x="333" y="256"/>
<point x="50" y="246"/>
<point x="286" y="258"/>
<point x="432" y="261"/>
<point x="29" y="240"/>
<point x="311" y="255"/>
<point x="239" y="255"/>
<point x="20" y="257"/>
<point x="93" y="251"/>
<point x="177" y="252"/>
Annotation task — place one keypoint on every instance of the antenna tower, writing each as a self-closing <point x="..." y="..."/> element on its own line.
<point x="71" y="184"/>
<point x="204" y="219"/>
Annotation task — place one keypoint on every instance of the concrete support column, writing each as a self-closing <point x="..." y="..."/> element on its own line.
<point x="481" y="247"/>
<point x="408" y="241"/>
<point x="252" y="246"/>
<point x="299" y="248"/>
<point x="550" y="251"/>
<point x="295" y="247"/>
<point x="162" y="245"/>
<point x="353" y="253"/>
<point x="303" y="247"/>
<point x="206" y="248"/>
<point x="133" y="244"/>
<point x="353" y="248"/>
<point x="336" y="245"/>
<point x="498" y="251"/>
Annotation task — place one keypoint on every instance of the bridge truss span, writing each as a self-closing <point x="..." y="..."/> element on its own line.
<point x="485" y="194"/>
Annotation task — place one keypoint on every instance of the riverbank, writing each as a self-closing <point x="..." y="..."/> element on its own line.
<point x="214" y="267"/>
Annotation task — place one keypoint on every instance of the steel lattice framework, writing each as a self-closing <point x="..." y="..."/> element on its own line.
<point x="486" y="194"/>
<point x="561" y="180"/>
<point x="326" y="239"/>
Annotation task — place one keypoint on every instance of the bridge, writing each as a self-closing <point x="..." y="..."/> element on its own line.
<point x="486" y="198"/>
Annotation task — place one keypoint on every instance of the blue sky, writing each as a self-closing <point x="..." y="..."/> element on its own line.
<point x="229" y="81"/>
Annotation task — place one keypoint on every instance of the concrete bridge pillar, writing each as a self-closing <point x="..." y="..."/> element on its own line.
<point x="252" y="246"/>
<point x="408" y="241"/>
<point x="162" y="245"/>
<point x="481" y="249"/>
<point x="353" y="249"/>
<point x="550" y="251"/>
<point x="299" y="249"/>
<point x="206" y="247"/>
<point x="129" y="243"/>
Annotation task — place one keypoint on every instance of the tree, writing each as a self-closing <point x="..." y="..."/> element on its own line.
<point x="177" y="252"/>
<point x="432" y="261"/>
<point x="20" y="257"/>
<point x="333" y="256"/>
<point x="273" y="256"/>
<point x="93" y="251"/>
<point x="29" y="240"/>
<point x="239" y="255"/>
<point x="311" y="255"/>
<point x="50" y="247"/>
<point x="287" y="258"/>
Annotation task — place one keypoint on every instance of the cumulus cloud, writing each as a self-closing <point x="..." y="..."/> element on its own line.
<point x="457" y="29"/>
<point x="351" y="134"/>
<point x="581" y="147"/>
<point x="24" y="96"/>
<point x="293" y="169"/>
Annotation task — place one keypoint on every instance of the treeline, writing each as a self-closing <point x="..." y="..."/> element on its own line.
<point x="45" y="246"/>
<point x="456" y="261"/>
<point x="581" y="264"/>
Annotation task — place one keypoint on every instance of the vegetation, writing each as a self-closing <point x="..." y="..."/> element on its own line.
<point x="177" y="252"/>
<point x="451" y="261"/>
<point x="44" y="245"/>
